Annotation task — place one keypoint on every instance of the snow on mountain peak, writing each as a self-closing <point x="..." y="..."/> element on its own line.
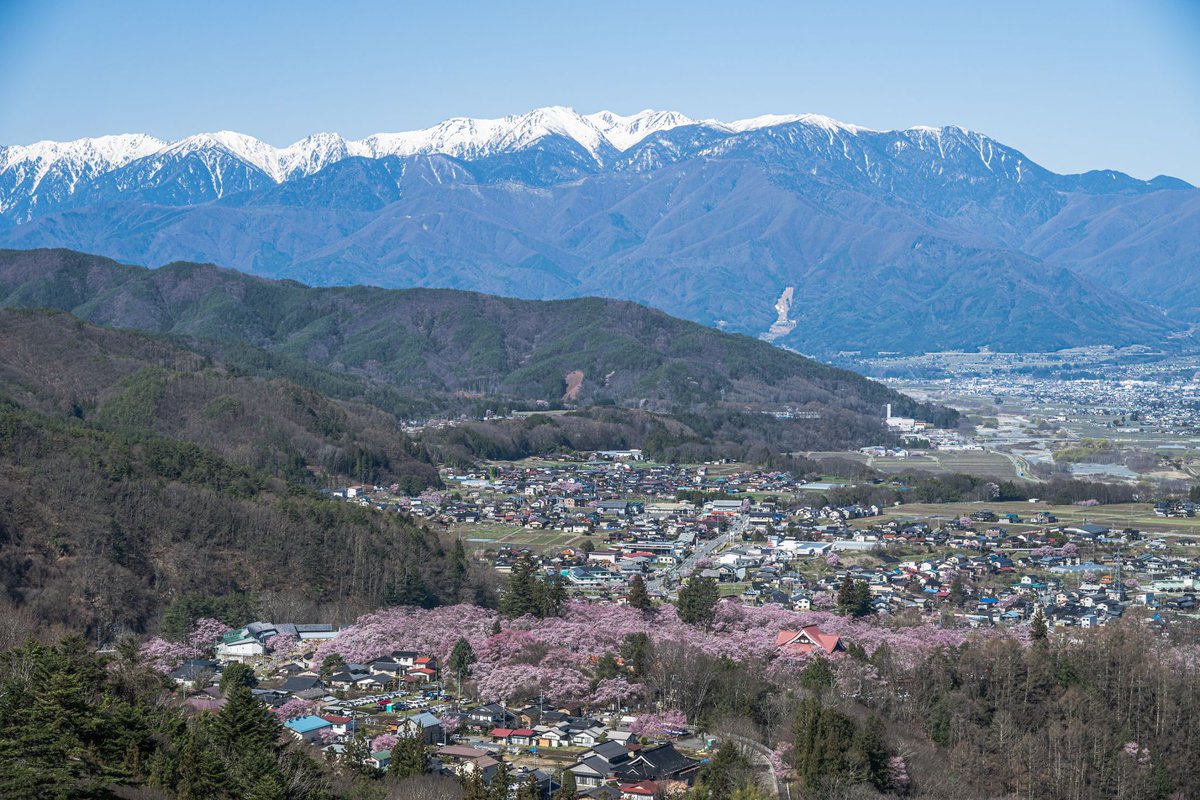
<point x="601" y="134"/>
<point x="253" y="151"/>
<point x="624" y="132"/>
<point x="82" y="158"/>
<point x="772" y="120"/>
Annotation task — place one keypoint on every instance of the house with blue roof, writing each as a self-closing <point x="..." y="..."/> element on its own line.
<point x="308" y="728"/>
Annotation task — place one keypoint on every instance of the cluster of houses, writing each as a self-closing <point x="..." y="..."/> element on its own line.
<point x="369" y="700"/>
<point x="1082" y="574"/>
<point x="572" y="497"/>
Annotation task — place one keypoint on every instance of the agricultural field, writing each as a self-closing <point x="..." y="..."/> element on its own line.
<point x="1126" y="515"/>
<point x="498" y="535"/>
<point x="984" y="463"/>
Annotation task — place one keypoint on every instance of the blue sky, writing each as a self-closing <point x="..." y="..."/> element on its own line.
<point x="1075" y="85"/>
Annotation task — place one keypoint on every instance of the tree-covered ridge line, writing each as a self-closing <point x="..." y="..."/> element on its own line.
<point x="122" y="380"/>
<point x="447" y="342"/>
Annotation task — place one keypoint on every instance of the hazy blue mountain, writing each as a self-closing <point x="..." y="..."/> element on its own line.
<point x="821" y="236"/>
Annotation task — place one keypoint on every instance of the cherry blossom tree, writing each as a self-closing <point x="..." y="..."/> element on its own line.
<point x="384" y="741"/>
<point x="164" y="655"/>
<point x="823" y="600"/>
<point x="294" y="708"/>
<point x="206" y="633"/>
<point x="781" y="762"/>
<point x="897" y="775"/>
<point x="656" y="726"/>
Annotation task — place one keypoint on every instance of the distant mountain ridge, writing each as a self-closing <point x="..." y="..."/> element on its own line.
<point x="912" y="240"/>
<point x="442" y="346"/>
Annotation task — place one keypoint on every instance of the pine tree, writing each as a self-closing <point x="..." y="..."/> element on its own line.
<point x="461" y="659"/>
<point x="958" y="594"/>
<point x="458" y="568"/>
<point x="727" y="770"/>
<point x="357" y="751"/>
<point x="845" y="596"/>
<point x="498" y="789"/>
<point x="854" y="598"/>
<point x="636" y="651"/>
<point x="201" y="773"/>
<point x="1038" y="629"/>
<point x="41" y="750"/>
<point x="244" y="724"/>
<point x="698" y="601"/>
<point x="267" y="787"/>
<point x="552" y="595"/>
<point x="411" y="590"/>
<point x="520" y="595"/>
<point x="474" y="787"/>
<point x="332" y="663"/>
<point x="568" y="788"/>
<point x="529" y="789"/>
<point x="639" y="598"/>
<point x="237" y="675"/>
<point x="869" y="755"/>
<point x="606" y="667"/>
<point x="409" y="758"/>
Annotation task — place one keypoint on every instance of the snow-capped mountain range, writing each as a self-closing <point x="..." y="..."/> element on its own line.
<point x="861" y="230"/>
<point x="60" y="167"/>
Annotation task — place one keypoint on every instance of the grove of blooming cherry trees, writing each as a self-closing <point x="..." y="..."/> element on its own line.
<point x="1104" y="712"/>
<point x="557" y="655"/>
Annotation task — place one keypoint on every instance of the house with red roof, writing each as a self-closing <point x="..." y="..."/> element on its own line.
<point x="518" y="737"/>
<point x="639" y="790"/>
<point x="341" y="725"/>
<point x="809" y="640"/>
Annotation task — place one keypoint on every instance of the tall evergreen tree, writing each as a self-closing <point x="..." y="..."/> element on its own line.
<point x="854" y="598"/>
<point x="409" y="758"/>
<point x="244" y="724"/>
<point x="521" y="590"/>
<point x="637" y="650"/>
<point x="728" y="770"/>
<point x="1038" y="629"/>
<point x="958" y="593"/>
<point x="639" y="598"/>
<point x="529" y="789"/>
<point x="698" y="601"/>
<point x="552" y="595"/>
<point x="567" y="788"/>
<point x="473" y="786"/>
<point x="201" y="773"/>
<point x="458" y="567"/>
<point x="501" y="782"/>
<point x="237" y="675"/>
<point x="461" y="659"/>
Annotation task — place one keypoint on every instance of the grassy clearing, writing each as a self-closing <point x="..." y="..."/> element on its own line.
<point x="939" y="462"/>
<point x="497" y="535"/>
<point x="1126" y="515"/>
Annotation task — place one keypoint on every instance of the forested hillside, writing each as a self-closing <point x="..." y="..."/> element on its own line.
<point x="444" y="346"/>
<point x="52" y="363"/>
<point x="134" y="472"/>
